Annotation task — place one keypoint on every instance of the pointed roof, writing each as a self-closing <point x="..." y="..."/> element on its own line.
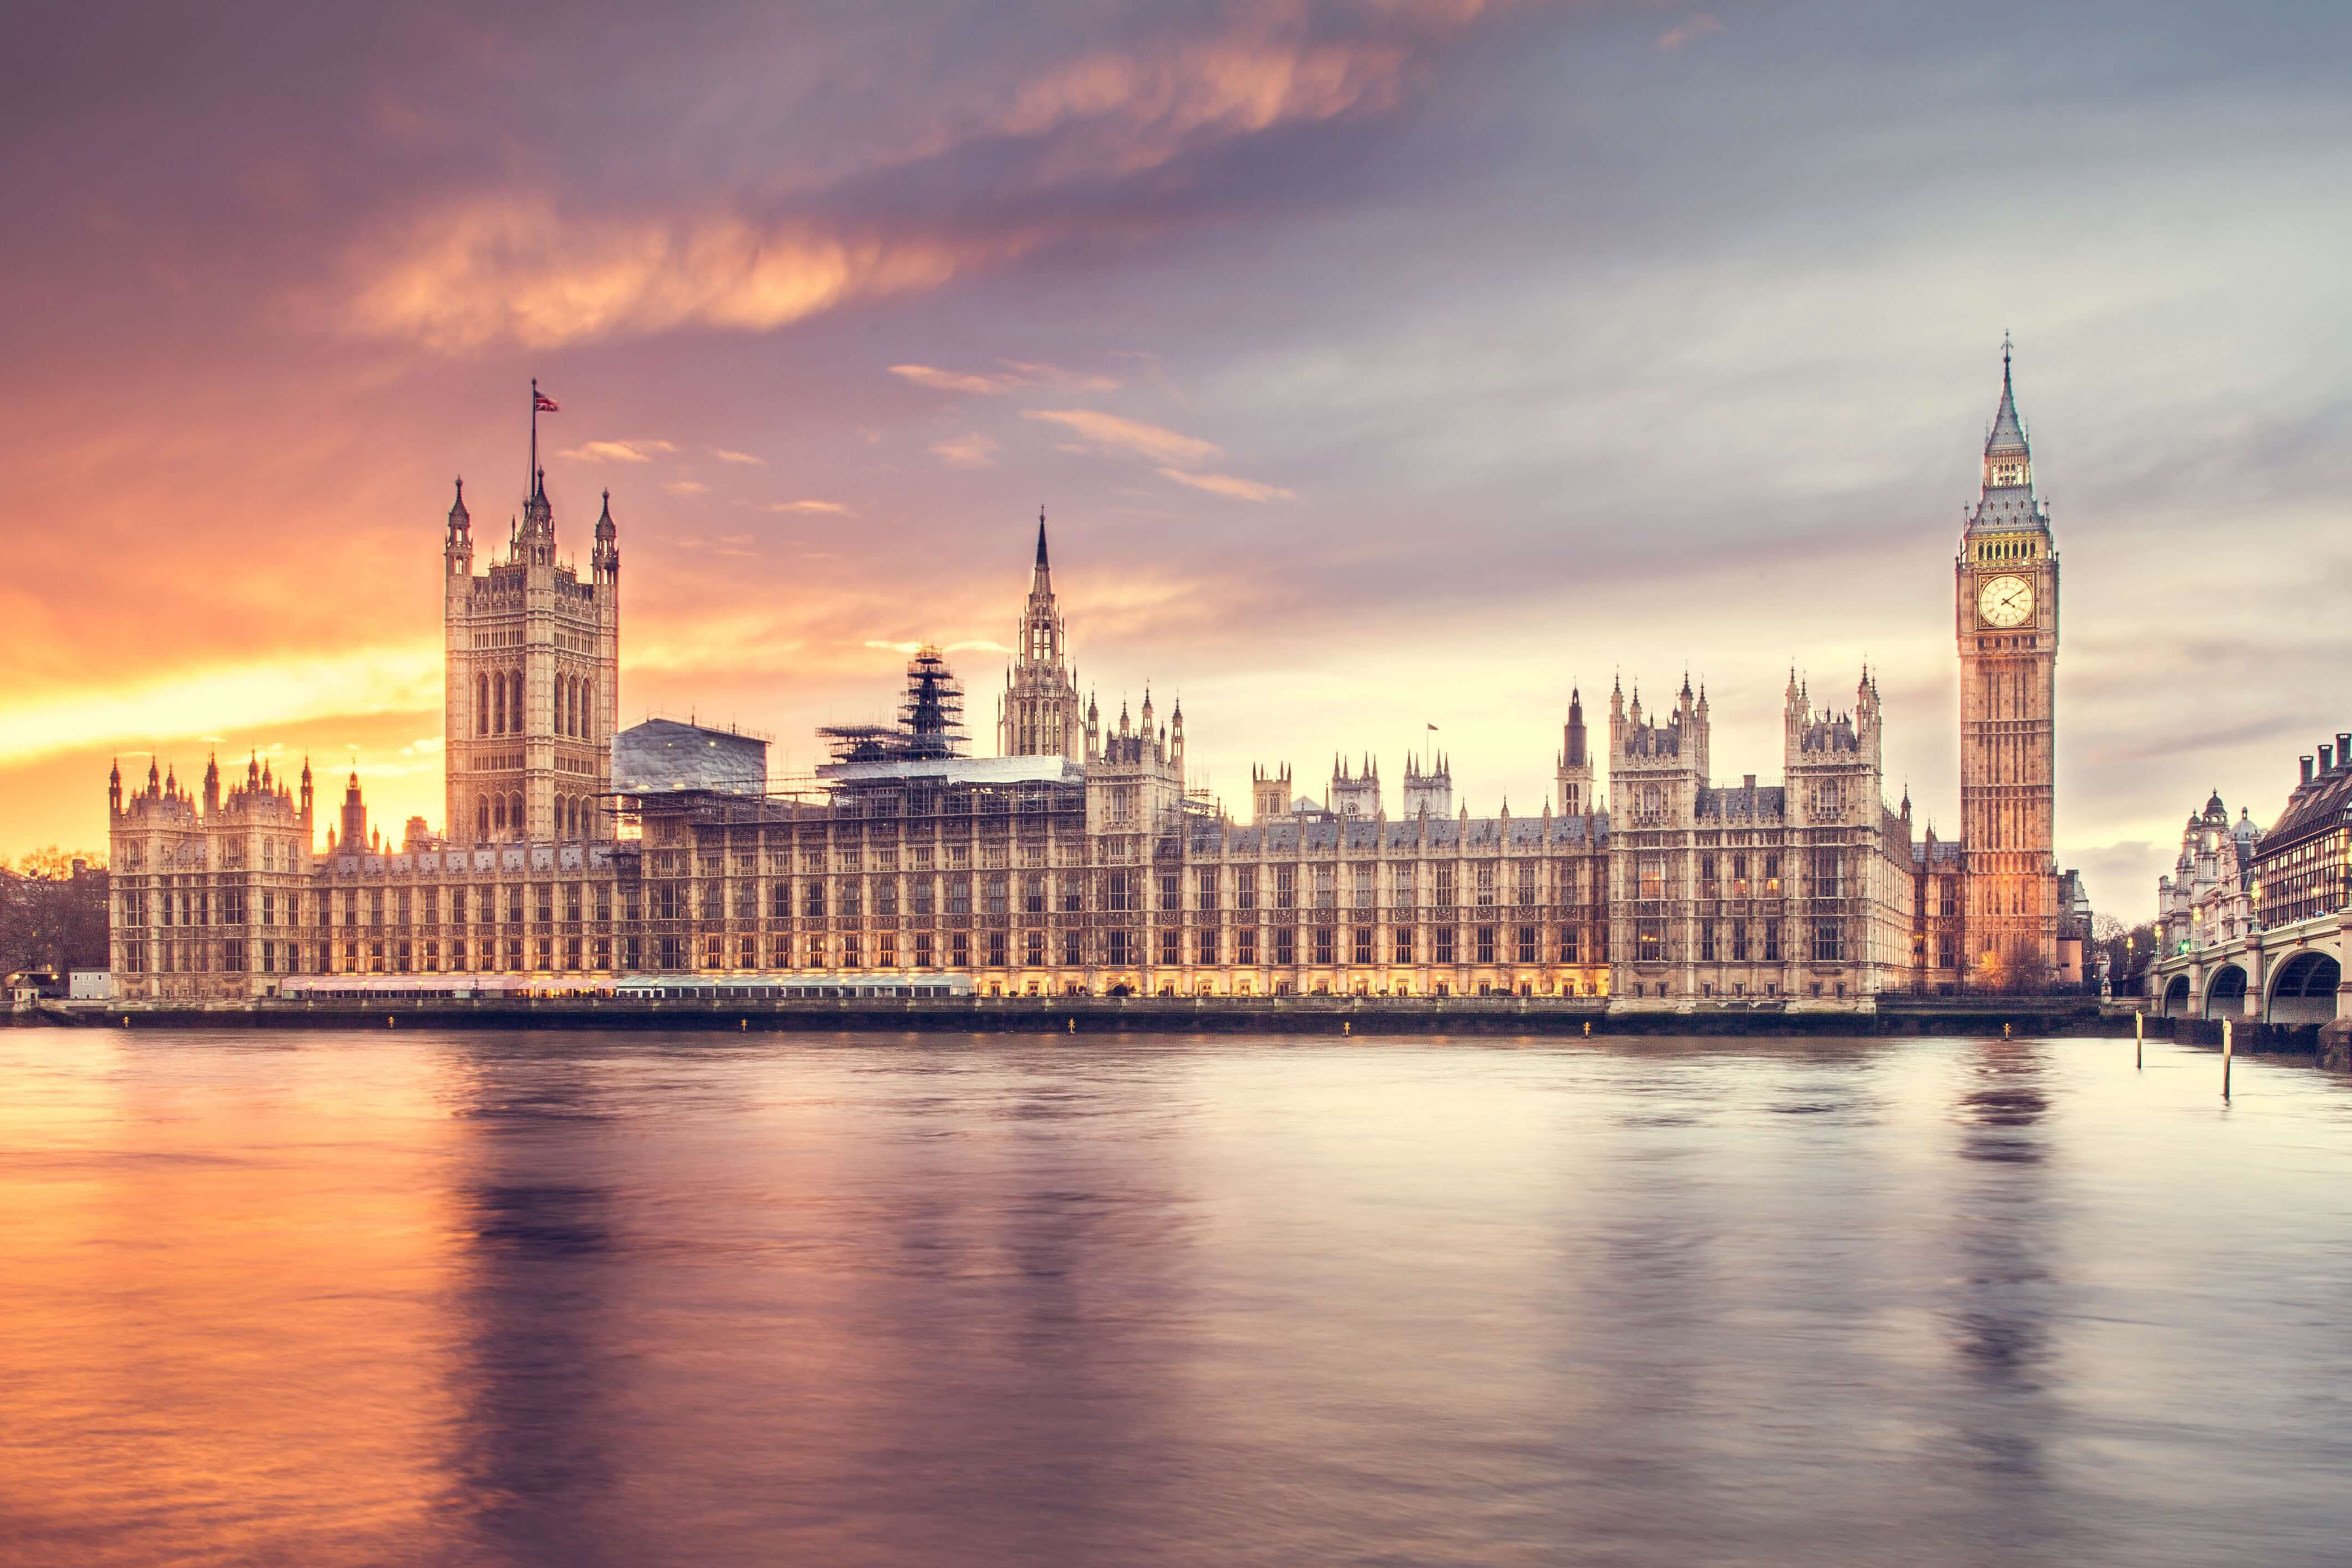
<point x="457" y="512"/>
<point x="1041" y="539"/>
<point x="2008" y="434"/>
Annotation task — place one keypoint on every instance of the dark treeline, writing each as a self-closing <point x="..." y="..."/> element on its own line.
<point x="53" y="914"/>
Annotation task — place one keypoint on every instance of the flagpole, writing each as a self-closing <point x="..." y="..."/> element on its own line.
<point x="531" y="480"/>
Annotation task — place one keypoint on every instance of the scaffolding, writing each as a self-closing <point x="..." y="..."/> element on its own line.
<point x="931" y="720"/>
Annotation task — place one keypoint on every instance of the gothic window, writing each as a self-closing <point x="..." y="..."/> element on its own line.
<point x="481" y="705"/>
<point x="1527" y="944"/>
<point x="588" y="708"/>
<point x="514" y="815"/>
<point x="1826" y="882"/>
<point x="1653" y="877"/>
<point x="514" y="701"/>
<point x="498" y="718"/>
<point x="482" y="818"/>
<point x="1401" y="947"/>
<point x="1285" y="887"/>
<point x="1205" y="889"/>
<point x="1485" y="875"/>
<point x="1325" y="897"/>
<point x="1649" y="941"/>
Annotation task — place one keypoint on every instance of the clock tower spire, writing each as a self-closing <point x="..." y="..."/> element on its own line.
<point x="2006" y="620"/>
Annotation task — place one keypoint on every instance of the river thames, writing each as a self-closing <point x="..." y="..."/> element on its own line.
<point x="342" y="1299"/>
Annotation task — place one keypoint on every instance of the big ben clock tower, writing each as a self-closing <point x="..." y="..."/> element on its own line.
<point x="2006" y="590"/>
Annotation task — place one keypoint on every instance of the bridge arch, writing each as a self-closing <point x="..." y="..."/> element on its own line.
<point x="2225" y="993"/>
<point x="2304" y="991"/>
<point x="2175" y="998"/>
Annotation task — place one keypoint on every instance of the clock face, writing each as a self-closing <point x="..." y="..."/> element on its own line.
<point x="2005" y="601"/>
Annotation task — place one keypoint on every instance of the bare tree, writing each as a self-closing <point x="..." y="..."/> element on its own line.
<point x="53" y="911"/>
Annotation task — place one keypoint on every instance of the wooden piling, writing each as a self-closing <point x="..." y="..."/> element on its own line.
<point x="2226" y="1051"/>
<point x="2140" y="1039"/>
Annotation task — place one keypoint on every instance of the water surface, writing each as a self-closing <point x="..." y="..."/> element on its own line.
<point x="336" y="1298"/>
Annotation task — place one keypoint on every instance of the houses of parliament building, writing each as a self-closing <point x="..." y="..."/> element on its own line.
<point x="1075" y="861"/>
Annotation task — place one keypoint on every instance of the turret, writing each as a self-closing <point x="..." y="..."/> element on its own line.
<point x="354" y="814"/>
<point x="458" y="551"/>
<point x="1269" y="793"/>
<point x="212" y="786"/>
<point x="114" y="788"/>
<point x="1575" y="761"/>
<point x="606" y="560"/>
<point x="306" y="789"/>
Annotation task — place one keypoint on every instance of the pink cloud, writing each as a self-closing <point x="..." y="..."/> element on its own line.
<point x="1698" y="27"/>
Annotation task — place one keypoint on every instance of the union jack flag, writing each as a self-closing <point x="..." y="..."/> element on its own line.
<point x="542" y="403"/>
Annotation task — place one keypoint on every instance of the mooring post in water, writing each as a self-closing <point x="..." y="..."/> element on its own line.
<point x="2227" y="1050"/>
<point x="2140" y="1039"/>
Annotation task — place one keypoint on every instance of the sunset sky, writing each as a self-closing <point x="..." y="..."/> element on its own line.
<point x="1379" y="364"/>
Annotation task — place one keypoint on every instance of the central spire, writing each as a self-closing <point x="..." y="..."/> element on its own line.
<point x="2008" y="435"/>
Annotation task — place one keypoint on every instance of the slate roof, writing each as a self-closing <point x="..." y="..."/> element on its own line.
<point x="1761" y="803"/>
<point x="2325" y="801"/>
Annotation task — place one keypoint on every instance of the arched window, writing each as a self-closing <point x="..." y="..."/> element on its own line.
<point x="587" y="709"/>
<point x="556" y="698"/>
<point x="481" y="819"/>
<point x="514" y="815"/>
<point x="571" y="706"/>
<point x="499" y="811"/>
<point x="498" y="726"/>
<point x="575" y="817"/>
<point x="482" y="705"/>
<point x="514" y="699"/>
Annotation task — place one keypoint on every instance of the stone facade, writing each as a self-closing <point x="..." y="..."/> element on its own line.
<point x="2006" y="620"/>
<point x="533" y="668"/>
<point x="1076" y="861"/>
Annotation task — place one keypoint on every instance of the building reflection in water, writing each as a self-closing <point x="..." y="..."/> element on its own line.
<point x="1998" y="1317"/>
<point x="535" y="1462"/>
